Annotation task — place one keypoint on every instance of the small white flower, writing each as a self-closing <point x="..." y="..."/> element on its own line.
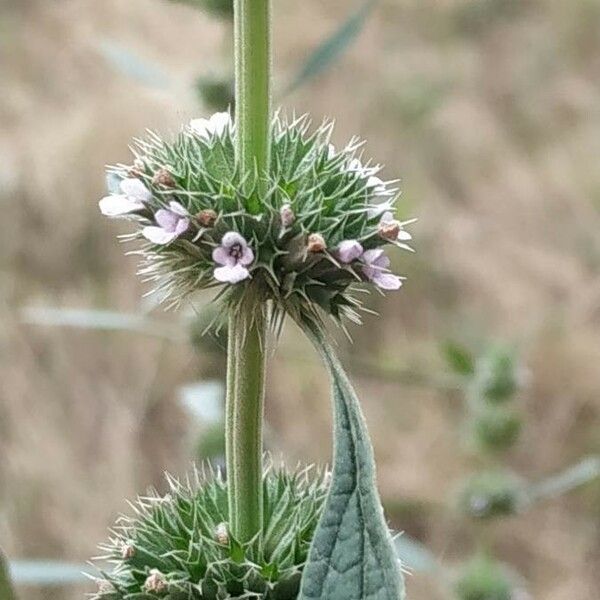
<point x="376" y="269"/>
<point x="155" y="582"/>
<point x="214" y="125"/>
<point x="349" y="250"/>
<point x="377" y="184"/>
<point x="287" y="215"/>
<point x="172" y="222"/>
<point x="222" y="534"/>
<point x="330" y="151"/>
<point x="133" y="197"/>
<point x="375" y="210"/>
<point x="235" y="255"/>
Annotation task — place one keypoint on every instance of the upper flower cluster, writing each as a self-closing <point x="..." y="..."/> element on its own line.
<point x="307" y="232"/>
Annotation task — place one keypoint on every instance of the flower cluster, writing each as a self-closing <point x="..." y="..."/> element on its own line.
<point x="180" y="547"/>
<point x="306" y="233"/>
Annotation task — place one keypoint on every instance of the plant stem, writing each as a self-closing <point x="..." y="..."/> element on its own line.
<point x="246" y="345"/>
<point x="252" y="22"/>
<point x="245" y="382"/>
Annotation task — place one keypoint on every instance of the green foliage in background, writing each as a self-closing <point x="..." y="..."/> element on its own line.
<point x="491" y="494"/>
<point x="483" y="579"/>
<point x="6" y="588"/>
<point x="219" y="8"/>
<point x="332" y="47"/>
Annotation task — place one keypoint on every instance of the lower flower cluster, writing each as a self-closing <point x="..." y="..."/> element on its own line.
<point x="308" y="230"/>
<point x="180" y="547"/>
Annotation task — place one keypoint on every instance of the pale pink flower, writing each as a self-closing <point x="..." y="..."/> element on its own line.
<point x="172" y="222"/>
<point x="376" y="269"/>
<point x="349" y="250"/>
<point x="235" y="255"/>
<point x="214" y="125"/>
<point x="133" y="197"/>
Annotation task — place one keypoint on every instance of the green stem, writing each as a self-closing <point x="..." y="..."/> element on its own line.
<point x="246" y="359"/>
<point x="252" y="22"/>
<point x="244" y="423"/>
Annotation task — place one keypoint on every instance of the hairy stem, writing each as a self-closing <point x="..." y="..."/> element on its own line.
<point x="246" y="379"/>
<point x="246" y="358"/>
<point x="252" y="22"/>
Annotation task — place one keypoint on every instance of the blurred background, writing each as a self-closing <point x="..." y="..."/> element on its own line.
<point x="480" y="380"/>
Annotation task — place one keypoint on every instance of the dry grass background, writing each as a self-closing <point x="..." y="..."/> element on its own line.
<point x="488" y="109"/>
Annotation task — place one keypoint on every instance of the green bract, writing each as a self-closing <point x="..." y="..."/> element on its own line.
<point x="179" y="546"/>
<point x="305" y="235"/>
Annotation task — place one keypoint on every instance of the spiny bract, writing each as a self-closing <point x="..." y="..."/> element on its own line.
<point x="179" y="547"/>
<point x="304" y="234"/>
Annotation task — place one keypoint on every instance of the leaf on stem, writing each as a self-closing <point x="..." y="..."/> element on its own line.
<point x="352" y="556"/>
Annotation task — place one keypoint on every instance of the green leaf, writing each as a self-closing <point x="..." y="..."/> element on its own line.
<point x="459" y="359"/>
<point x="328" y="51"/>
<point x="352" y="556"/>
<point x="6" y="588"/>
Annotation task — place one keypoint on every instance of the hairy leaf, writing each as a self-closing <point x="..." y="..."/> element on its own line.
<point x="352" y="556"/>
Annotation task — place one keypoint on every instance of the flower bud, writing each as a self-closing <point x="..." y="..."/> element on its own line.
<point x="389" y="230"/>
<point x="316" y="243"/>
<point x="222" y="534"/>
<point x="127" y="551"/>
<point x="287" y="215"/>
<point x="163" y="177"/>
<point x="207" y="217"/>
<point x="155" y="582"/>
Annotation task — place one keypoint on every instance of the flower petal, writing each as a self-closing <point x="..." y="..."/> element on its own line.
<point x="247" y="256"/>
<point x="166" y="219"/>
<point x="404" y="236"/>
<point x="387" y="217"/>
<point x="200" y="127"/>
<point x="349" y="250"/>
<point x="370" y="257"/>
<point x="219" y="122"/>
<point x="231" y="238"/>
<point x="387" y="281"/>
<point x="178" y="209"/>
<point x="135" y="189"/>
<point x="182" y="226"/>
<point x="377" y="183"/>
<point x="158" y="235"/>
<point x="222" y="257"/>
<point x="116" y="206"/>
<point x="376" y="209"/>
<point x="231" y="274"/>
